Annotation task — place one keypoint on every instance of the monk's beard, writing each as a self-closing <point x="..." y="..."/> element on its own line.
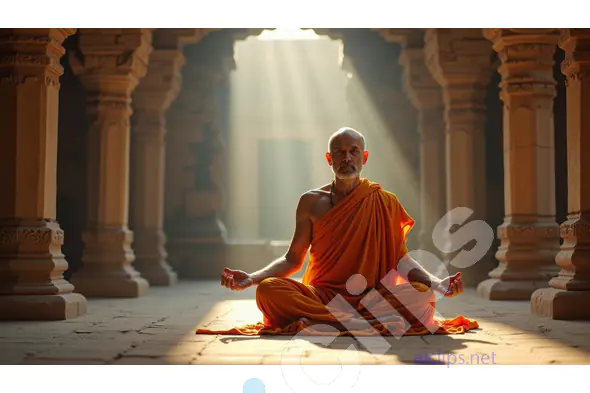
<point x="354" y="173"/>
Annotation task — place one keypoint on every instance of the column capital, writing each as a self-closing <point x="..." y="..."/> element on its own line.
<point x="111" y="60"/>
<point x="527" y="60"/>
<point x="162" y="81"/>
<point x="576" y="44"/>
<point x="459" y="56"/>
<point x="461" y="61"/>
<point x="35" y="36"/>
<point x="418" y="83"/>
<point x="36" y="49"/>
<point x="519" y="35"/>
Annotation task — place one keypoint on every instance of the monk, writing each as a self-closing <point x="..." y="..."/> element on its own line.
<point x="360" y="278"/>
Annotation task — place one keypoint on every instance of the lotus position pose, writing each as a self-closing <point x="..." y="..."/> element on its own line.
<point x="359" y="278"/>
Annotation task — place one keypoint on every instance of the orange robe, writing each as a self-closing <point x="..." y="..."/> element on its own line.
<point x="352" y="274"/>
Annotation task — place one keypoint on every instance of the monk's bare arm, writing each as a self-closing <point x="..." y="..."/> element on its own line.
<point x="412" y="271"/>
<point x="292" y="261"/>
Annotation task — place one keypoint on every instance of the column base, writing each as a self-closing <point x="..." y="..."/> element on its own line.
<point x="109" y="286"/>
<point x="157" y="273"/>
<point x="150" y="257"/>
<point x="561" y="304"/>
<point x="42" y="307"/>
<point x="496" y="289"/>
<point x="106" y="265"/>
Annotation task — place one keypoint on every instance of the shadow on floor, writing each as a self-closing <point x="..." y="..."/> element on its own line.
<point x="407" y="349"/>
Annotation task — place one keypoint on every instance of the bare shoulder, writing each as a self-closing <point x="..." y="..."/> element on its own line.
<point x="314" y="195"/>
<point x="311" y="197"/>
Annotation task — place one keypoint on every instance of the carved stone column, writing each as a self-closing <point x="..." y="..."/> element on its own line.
<point x="529" y="235"/>
<point x="152" y="98"/>
<point x="426" y="96"/>
<point x="32" y="285"/>
<point x="569" y="294"/>
<point x="460" y="60"/>
<point x="196" y="235"/>
<point x="110" y="63"/>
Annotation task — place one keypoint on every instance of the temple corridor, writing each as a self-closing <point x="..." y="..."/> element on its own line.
<point x="137" y="163"/>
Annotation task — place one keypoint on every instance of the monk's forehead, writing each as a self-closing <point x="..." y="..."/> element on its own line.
<point x="347" y="138"/>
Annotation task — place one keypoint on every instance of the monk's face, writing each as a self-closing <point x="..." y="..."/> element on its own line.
<point x="347" y="156"/>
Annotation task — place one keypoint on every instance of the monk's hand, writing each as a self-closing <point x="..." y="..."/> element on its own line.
<point x="236" y="280"/>
<point x="451" y="286"/>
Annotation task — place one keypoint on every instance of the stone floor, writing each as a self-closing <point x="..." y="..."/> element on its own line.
<point x="159" y="329"/>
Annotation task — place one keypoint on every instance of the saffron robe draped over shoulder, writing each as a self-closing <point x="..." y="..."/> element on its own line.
<point x="352" y="273"/>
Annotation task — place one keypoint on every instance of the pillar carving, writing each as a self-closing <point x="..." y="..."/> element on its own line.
<point x="110" y="63"/>
<point x="152" y="98"/>
<point x="32" y="264"/>
<point x="425" y="94"/>
<point x="194" y="197"/>
<point x="568" y="295"/>
<point x="529" y="234"/>
<point x="460" y="60"/>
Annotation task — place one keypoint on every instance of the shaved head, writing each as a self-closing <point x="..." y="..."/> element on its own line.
<point x="347" y="153"/>
<point x="347" y="131"/>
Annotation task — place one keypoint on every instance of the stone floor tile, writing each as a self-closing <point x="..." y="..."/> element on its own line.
<point x="159" y="329"/>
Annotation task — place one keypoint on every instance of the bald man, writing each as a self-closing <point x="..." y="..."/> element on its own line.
<point x="357" y="233"/>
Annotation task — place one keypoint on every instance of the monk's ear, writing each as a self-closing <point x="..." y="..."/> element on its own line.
<point x="365" y="157"/>
<point x="329" y="158"/>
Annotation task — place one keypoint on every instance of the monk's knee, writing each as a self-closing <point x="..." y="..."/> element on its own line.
<point x="426" y="292"/>
<point x="267" y="288"/>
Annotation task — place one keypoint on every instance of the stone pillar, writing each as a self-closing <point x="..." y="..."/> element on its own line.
<point x="152" y="98"/>
<point x="460" y="60"/>
<point x="426" y="96"/>
<point x="196" y="235"/>
<point x="569" y="294"/>
<point x="529" y="235"/>
<point x="32" y="285"/>
<point x="110" y="63"/>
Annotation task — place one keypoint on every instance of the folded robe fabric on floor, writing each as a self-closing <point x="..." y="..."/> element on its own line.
<point x="352" y="273"/>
